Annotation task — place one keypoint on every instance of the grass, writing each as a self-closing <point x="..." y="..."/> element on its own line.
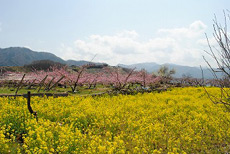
<point x="81" y="90"/>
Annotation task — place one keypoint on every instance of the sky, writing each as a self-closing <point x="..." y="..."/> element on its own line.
<point x="113" y="31"/>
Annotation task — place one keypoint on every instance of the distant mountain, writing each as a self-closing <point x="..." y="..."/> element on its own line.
<point x="18" y="56"/>
<point x="81" y="62"/>
<point x="180" y="70"/>
<point x="77" y="63"/>
<point x="150" y="66"/>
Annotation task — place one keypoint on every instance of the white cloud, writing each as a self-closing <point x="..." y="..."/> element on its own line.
<point x="177" y="45"/>
<point x="194" y="30"/>
<point x="204" y="42"/>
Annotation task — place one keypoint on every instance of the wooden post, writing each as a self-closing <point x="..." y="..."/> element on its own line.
<point x="28" y="102"/>
<point x="29" y="106"/>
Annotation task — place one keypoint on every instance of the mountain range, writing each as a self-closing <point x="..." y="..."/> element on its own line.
<point x="152" y="67"/>
<point x="20" y="56"/>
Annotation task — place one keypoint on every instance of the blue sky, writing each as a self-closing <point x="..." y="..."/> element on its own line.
<point x="118" y="31"/>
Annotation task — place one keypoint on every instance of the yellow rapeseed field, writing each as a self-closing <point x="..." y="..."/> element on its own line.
<point x="181" y="120"/>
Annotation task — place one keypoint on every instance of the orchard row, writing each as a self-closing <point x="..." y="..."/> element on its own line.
<point x="115" y="78"/>
<point x="111" y="77"/>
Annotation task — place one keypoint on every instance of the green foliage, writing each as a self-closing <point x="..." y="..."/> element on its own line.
<point x="164" y="71"/>
<point x="43" y="65"/>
